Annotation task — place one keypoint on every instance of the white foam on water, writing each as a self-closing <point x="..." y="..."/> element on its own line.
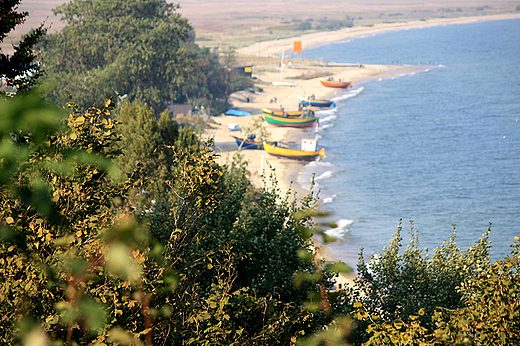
<point x="404" y="74"/>
<point x="347" y="95"/>
<point x="340" y="231"/>
<point x="329" y="118"/>
<point x="327" y="111"/>
<point x="327" y="126"/>
<point x="321" y="170"/>
<point x="329" y="199"/>
<point x="324" y="175"/>
<point x="319" y="164"/>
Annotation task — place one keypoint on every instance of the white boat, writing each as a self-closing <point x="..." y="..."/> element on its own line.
<point x="285" y="84"/>
<point x="233" y="127"/>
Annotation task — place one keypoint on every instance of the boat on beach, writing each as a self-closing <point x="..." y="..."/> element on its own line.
<point x="285" y="84"/>
<point x="250" y="143"/>
<point x="309" y="121"/>
<point x="335" y="84"/>
<point x="282" y="113"/>
<point x="309" y="100"/>
<point x="237" y="113"/>
<point x="303" y="155"/>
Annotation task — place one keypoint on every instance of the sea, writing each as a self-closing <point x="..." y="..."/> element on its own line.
<point x="438" y="146"/>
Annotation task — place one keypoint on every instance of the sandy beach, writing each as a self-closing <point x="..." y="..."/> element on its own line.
<point x="286" y="170"/>
<point x="318" y="38"/>
<point x="286" y="96"/>
<point x="259" y="161"/>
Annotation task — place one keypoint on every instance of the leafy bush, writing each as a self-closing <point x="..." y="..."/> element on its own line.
<point x="401" y="283"/>
<point x="239" y="82"/>
<point x="304" y="26"/>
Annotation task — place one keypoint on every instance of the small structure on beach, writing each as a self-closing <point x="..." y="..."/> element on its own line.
<point x="245" y="70"/>
<point x="179" y="110"/>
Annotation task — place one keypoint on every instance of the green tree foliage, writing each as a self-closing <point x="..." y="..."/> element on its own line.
<point x="132" y="47"/>
<point x="400" y="283"/>
<point x="140" y="136"/>
<point x="57" y="203"/>
<point x="491" y="312"/>
<point x="394" y="332"/>
<point x="80" y="264"/>
<point x="79" y="261"/>
<point x="140" y="48"/>
<point x="206" y="84"/>
<point x="20" y="70"/>
<point x="169" y="128"/>
<point x="488" y="315"/>
<point x="149" y="145"/>
<point x="227" y="239"/>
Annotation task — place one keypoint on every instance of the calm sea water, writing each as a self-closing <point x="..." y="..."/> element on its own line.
<point x="439" y="146"/>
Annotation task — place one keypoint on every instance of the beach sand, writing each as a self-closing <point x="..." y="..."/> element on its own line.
<point x="318" y="38"/>
<point x="286" y="170"/>
<point x="286" y="96"/>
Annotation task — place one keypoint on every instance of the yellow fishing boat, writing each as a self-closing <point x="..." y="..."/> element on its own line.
<point x="304" y="155"/>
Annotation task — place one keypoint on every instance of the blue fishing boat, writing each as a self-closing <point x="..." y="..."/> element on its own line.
<point x="248" y="143"/>
<point x="315" y="102"/>
<point x="237" y="113"/>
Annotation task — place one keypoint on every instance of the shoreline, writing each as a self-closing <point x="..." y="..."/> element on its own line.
<point x="326" y="37"/>
<point x="287" y="171"/>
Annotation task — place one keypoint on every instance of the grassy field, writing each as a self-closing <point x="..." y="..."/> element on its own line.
<point x="236" y="23"/>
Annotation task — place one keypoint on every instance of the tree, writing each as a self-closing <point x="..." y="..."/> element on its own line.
<point x="80" y="266"/>
<point x="206" y="85"/>
<point x="488" y="314"/>
<point x="80" y="258"/>
<point x="57" y="202"/>
<point x="150" y="144"/>
<point x="21" y="70"/>
<point x="131" y="47"/>
<point x="140" y="137"/>
<point x="397" y="285"/>
<point x="491" y="311"/>
<point x="169" y="128"/>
